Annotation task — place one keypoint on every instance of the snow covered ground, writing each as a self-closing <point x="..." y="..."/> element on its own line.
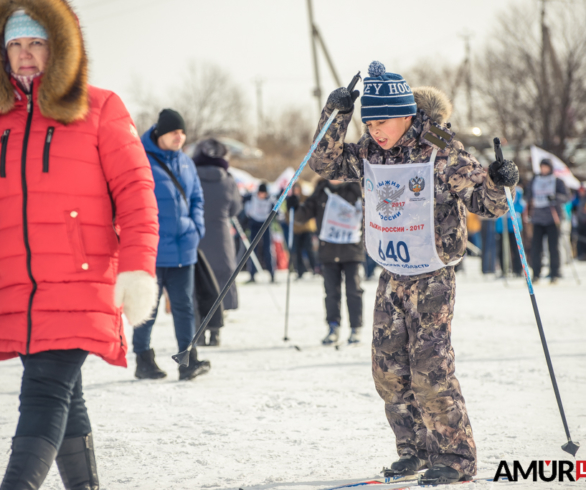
<point x="270" y="417"/>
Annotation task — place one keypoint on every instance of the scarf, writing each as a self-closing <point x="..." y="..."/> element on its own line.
<point x="25" y="81"/>
<point x="202" y="160"/>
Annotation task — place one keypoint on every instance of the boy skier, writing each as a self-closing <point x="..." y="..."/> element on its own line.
<point x="417" y="183"/>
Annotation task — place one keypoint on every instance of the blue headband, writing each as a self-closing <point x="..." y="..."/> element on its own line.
<point x="21" y="25"/>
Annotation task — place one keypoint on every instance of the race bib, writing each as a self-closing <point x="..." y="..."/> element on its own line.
<point x="399" y="219"/>
<point x="543" y="186"/>
<point x="342" y="221"/>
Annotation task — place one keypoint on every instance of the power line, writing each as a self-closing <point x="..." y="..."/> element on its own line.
<point x="128" y="11"/>
<point x="96" y="4"/>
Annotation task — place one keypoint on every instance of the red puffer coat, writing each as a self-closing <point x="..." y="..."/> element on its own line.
<point x="59" y="182"/>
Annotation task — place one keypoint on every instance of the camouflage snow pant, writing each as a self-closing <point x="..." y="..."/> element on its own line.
<point x="413" y="369"/>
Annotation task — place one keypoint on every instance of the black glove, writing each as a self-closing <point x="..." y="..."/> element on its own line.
<point x="504" y="174"/>
<point x="342" y="100"/>
<point x="292" y="203"/>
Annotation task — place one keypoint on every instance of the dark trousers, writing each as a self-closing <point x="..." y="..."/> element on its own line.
<point x="581" y="241"/>
<point x="515" y="256"/>
<point x="255" y="227"/>
<point x="488" y="234"/>
<point x="302" y="242"/>
<point x="332" y="272"/>
<point x="369" y="266"/>
<point x="179" y="283"/>
<point x="51" y="397"/>
<point x="552" y="232"/>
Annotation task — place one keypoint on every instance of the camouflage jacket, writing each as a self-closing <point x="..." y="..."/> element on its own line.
<point x="460" y="181"/>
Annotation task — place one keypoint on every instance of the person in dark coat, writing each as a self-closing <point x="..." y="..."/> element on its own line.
<point x="302" y="235"/>
<point x="337" y="258"/>
<point x="222" y="201"/>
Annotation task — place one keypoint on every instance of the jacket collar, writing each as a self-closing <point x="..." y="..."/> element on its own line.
<point x="151" y="146"/>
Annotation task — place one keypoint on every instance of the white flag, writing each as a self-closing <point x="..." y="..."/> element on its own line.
<point x="560" y="169"/>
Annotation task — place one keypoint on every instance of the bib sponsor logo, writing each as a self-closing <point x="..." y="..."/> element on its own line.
<point x="416" y="185"/>
<point x="369" y="185"/>
<point x="389" y="207"/>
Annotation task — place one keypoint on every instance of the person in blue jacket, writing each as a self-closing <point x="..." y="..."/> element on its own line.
<point x="181" y="227"/>
<point x="520" y="206"/>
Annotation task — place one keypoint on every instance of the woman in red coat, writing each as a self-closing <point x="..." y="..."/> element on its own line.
<point x="79" y="233"/>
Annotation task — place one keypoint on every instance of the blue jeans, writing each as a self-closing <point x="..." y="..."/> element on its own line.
<point x="51" y="397"/>
<point x="180" y="285"/>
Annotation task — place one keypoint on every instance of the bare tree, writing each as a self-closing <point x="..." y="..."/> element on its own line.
<point x="532" y="74"/>
<point x="285" y="139"/>
<point x="209" y="100"/>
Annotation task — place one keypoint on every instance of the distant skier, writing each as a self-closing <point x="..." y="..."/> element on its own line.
<point x="418" y="182"/>
<point x="545" y="195"/>
<point x="257" y="208"/>
<point x="337" y="208"/>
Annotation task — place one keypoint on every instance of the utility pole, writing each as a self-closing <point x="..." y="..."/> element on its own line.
<point x="468" y="75"/>
<point x="316" y="38"/>
<point x="317" y="89"/>
<point x="259" y="113"/>
<point x="545" y="100"/>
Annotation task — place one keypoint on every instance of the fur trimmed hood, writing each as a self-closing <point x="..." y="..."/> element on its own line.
<point x="63" y="92"/>
<point x="434" y="103"/>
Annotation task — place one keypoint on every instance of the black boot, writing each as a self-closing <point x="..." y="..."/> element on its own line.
<point x="146" y="367"/>
<point x="214" y="337"/>
<point x="440" y="474"/>
<point x="76" y="461"/>
<point x="195" y="367"/>
<point x="407" y="465"/>
<point x="29" y="463"/>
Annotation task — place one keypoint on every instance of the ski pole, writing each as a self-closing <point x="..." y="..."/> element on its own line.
<point x="182" y="358"/>
<point x="568" y="247"/>
<point x="570" y="447"/>
<point x="254" y="258"/>
<point x="291" y="220"/>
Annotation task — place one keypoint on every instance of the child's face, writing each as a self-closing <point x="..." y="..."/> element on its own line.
<point x="386" y="132"/>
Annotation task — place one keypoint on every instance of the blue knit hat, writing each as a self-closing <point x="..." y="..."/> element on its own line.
<point x="21" y="25"/>
<point x="386" y="95"/>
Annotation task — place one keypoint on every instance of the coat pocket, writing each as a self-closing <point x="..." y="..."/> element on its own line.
<point x="4" y="142"/>
<point x="47" y="149"/>
<point x="76" y="240"/>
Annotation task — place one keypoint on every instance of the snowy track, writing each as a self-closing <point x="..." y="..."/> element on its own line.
<point x="268" y="417"/>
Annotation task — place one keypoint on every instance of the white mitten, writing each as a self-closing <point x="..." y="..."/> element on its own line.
<point x="137" y="291"/>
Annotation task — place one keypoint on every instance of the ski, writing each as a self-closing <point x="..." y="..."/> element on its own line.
<point x="387" y="480"/>
<point x="411" y="481"/>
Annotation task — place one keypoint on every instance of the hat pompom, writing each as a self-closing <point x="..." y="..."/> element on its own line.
<point x="376" y="69"/>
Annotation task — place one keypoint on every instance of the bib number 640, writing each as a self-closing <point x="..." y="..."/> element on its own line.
<point x="402" y="252"/>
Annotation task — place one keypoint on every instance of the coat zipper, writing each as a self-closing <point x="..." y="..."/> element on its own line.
<point x="29" y="108"/>
<point x="48" y="140"/>
<point x="3" y="155"/>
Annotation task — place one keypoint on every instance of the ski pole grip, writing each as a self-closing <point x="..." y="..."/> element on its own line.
<point x="498" y="150"/>
<point x="353" y="83"/>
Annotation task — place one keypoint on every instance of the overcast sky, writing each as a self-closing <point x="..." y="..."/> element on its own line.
<point x="153" y="40"/>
